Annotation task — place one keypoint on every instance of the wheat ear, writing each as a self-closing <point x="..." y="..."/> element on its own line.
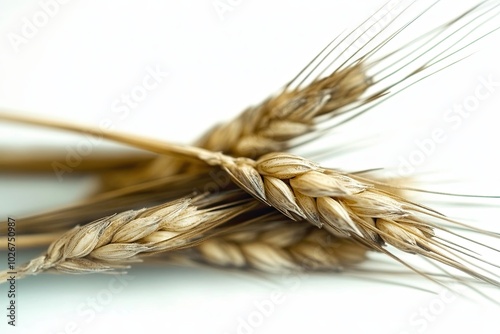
<point x="340" y="81"/>
<point x="346" y="206"/>
<point x="108" y="243"/>
<point x="271" y="125"/>
<point x="277" y="246"/>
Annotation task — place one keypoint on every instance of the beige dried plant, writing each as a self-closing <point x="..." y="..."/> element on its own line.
<point x="344" y="213"/>
<point x="271" y="125"/>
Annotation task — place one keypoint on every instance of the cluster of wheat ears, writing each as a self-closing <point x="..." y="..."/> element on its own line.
<point x="277" y="211"/>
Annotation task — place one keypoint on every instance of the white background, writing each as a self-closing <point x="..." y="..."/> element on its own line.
<point x="90" y="52"/>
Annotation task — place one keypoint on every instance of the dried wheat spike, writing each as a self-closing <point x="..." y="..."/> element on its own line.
<point x="108" y="243"/>
<point x="337" y="82"/>
<point x="350" y="207"/>
<point x="278" y="246"/>
<point x="270" y="126"/>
